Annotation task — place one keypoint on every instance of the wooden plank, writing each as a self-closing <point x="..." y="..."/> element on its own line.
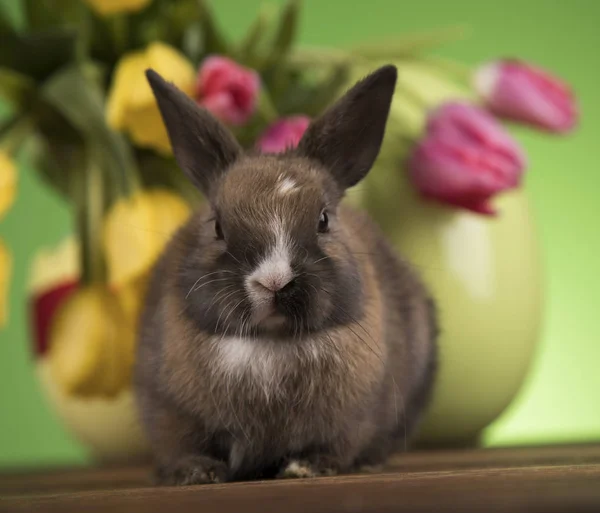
<point x="74" y="480"/>
<point x="548" y="489"/>
<point x="496" y="458"/>
<point x="545" y="479"/>
<point x="137" y="476"/>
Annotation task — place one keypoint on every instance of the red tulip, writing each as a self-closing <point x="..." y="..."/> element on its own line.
<point x="43" y="307"/>
<point x="285" y="133"/>
<point x="227" y="90"/>
<point x="465" y="159"/>
<point x="521" y="92"/>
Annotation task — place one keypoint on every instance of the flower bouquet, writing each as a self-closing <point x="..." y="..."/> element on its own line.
<point x="72" y="72"/>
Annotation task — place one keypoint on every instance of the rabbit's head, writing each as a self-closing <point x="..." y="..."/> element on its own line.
<point x="270" y="254"/>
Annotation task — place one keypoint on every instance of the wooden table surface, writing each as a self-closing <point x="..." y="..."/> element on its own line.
<point x="543" y="479"/>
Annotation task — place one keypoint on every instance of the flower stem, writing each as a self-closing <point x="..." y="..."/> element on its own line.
<point x="89" y="204"/>
<point x="130" y="180"/>
<point x="118" y="28"/>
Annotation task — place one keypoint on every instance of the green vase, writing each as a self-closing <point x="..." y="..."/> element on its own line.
<point x="485" y="275"/>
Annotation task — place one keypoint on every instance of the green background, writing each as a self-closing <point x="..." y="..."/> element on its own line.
<point x="560" y="400"/>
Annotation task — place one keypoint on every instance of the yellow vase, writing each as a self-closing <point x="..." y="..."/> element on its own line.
<point x="485" y="275"/>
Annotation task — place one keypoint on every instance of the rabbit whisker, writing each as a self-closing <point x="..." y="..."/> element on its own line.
<point x="202" y="277"/>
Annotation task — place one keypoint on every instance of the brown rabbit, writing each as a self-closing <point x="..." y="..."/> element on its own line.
<point x="281" y="335"/>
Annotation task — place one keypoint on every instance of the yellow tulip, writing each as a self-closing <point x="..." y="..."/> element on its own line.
<point x="131" y="299"/>
<point x="131" y="105"/>
<point x="5" y="271"/>
<point x="89" y="342"/>
<point x="54" y="266"/>
<point x="108" y="7"/>
<point x="136" y="230"/>
<point x="8" y="182"/>
<point x="131" y="296"/>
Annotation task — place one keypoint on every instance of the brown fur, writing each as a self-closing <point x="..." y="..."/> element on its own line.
<point x="345" y="383"/>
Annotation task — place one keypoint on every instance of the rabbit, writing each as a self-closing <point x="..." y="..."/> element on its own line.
<point x="281" y="335"/>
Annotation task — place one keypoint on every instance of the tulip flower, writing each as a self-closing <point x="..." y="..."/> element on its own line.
<point x="8" y="183"/>
<point x="131" y="300"/>
<point x="285" y="133"/>
<point x="521" y="92"/>
<point x="131" y="105"/>
<point x="88" y="344"/>
<point x="226" y="89"/>
<point x="108" y="7"/>
<point x="5" y="271"/>
<point x="53" y="276"/>
<point x="57" y="302"/>
<point x="465" y="159"/>
<point x="44" y="307"/>
<point x="131" y="297"/>
<point x="136" y="230"/>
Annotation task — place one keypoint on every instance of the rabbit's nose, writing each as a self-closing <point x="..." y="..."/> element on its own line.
<point x="267" y="280"/>
<point x="272" y="283"/>
<point x="272" y="275"/>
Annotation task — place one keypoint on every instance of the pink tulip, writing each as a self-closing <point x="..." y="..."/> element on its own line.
<point x="521" y="92"/>
<point x="227" y="90"/>
<point x="465" y="159"/>
<point x="285" y="133"/>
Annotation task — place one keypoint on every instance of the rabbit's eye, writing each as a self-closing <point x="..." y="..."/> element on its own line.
<point x="218" y="231"/>
<point x="323" y="222"/>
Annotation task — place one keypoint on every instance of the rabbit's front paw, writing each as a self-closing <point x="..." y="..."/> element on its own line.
<point x="192" y="470"/>
<point x="304" y="468"/>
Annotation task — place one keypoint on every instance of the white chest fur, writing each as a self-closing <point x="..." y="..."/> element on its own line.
<point x="266" y="362"/>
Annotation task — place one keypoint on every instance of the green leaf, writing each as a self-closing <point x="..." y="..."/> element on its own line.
<point x="162" y="20"/>
<point x="191" y="43"/>
<point x="80" y="101"/>
<point x="9" y="17"/>
<point x="57" y="149"/>
<point x="37" y="55"/>
<point x="15" y="87"/>
<point x="163" y="172"/>
<point x="213" y="39"/>
<point x="274" y="72"/>
<point x="16" y="132"/>
<point x="286" y="32"/>
<point x="410" y="44"/>
<point x="51" y="14"/>
<point x="307" y="58"/>
<point x="57" y="160"/>
<point x="265" y="107"/>
<point x="249" y="51"/>
<point x="460" y="71"/>
<point x="328" y="90"/>
<point x="297" y="99"/>
<point x="176" y="22"/>
<point x="179" y="16"/>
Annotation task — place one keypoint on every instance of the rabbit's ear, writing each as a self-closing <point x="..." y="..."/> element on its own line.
<point x="346" y="139"/>
<point x="202" y="146"/>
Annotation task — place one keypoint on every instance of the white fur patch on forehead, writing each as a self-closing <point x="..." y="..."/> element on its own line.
<point x="286" y="185"/>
